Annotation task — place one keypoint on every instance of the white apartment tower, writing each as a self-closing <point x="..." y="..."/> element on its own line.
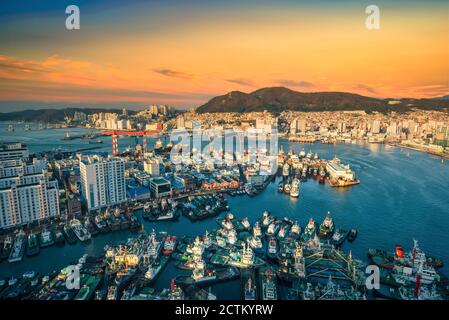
<point x="102" y="181"/>
<point x="27" y="198"/>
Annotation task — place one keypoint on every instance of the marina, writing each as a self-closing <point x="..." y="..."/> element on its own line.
<point x="370" y="162"/>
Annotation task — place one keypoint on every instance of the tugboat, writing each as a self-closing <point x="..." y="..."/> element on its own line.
<point x="46" y="238"/>
<point x="33" y="245"/>
<point x="295" y="189"/>
<point x="327" y="227"/>
<point x="309" y="231"/>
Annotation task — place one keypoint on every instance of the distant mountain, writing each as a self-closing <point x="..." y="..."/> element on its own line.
<point x="51" y="115"/>
<point x="276" y="99"/>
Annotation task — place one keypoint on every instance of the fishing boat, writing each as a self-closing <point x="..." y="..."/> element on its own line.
<point x="272" y="248"/>
<point x="170" y="214"/>
<point x="295" y="230"/>
<point x="112" y="293"/>
<point x="69" y="234"/>
<point x="244" y="258"/>
<point x="255" y="243"/>
<point x="158" y="146"/>
<point x="286" y="170"/>
<point x="268" y="287"/>
<point x="272" y="229"/>
<point x="309" y="231"/>
<point x="248" y="286"/>
<point x="80" y="231"/>
<point x="147" y="207"/>
<point x="46" y="238"/>
<point x="59" y="237"/>
<point x="202" y="276"/>
<point x="170" y="243"/>
<point x="339" y="237"/>
<point x="266" y="219"/>
<point x="90" y="227"/>
<point x="295" y="188"/>
<point x="101" y="225"/>
<point x="33" y="245"/>
<point x="327" y="227"/>
<point x="6" y="248"/>
<point x="281" y="187"/>
<point x="18" y="248"/>
<point x="155" y="269"/>
<point x="287" y="188"/>
<point x="352" y="235"/>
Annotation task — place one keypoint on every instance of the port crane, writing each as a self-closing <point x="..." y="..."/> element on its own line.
<point x="116" y="133"/>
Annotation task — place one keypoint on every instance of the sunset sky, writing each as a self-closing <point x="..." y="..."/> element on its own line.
<point x="134" y="53"/>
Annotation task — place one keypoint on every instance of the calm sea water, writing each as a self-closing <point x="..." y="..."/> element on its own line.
<point x="403" y="195"/>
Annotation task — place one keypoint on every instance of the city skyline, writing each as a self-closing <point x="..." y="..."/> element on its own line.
<point x="133" y="54"/>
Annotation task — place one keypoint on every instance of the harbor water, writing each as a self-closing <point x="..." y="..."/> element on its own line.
<point x="403" y="195"/>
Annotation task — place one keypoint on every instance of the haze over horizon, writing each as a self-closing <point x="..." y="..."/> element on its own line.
<point x="135" y="53"/>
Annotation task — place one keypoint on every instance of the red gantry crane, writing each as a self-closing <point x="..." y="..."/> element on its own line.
<point x="116" y="133"/>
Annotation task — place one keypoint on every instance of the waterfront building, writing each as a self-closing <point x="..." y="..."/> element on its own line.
<point x="160" y="187"/>
<point x="11" y="168"/>
<point x="27" y="198"/>
<point x="102" y="181"/>
<point x="13" y="151"/>
<point x="152" y="166"/>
